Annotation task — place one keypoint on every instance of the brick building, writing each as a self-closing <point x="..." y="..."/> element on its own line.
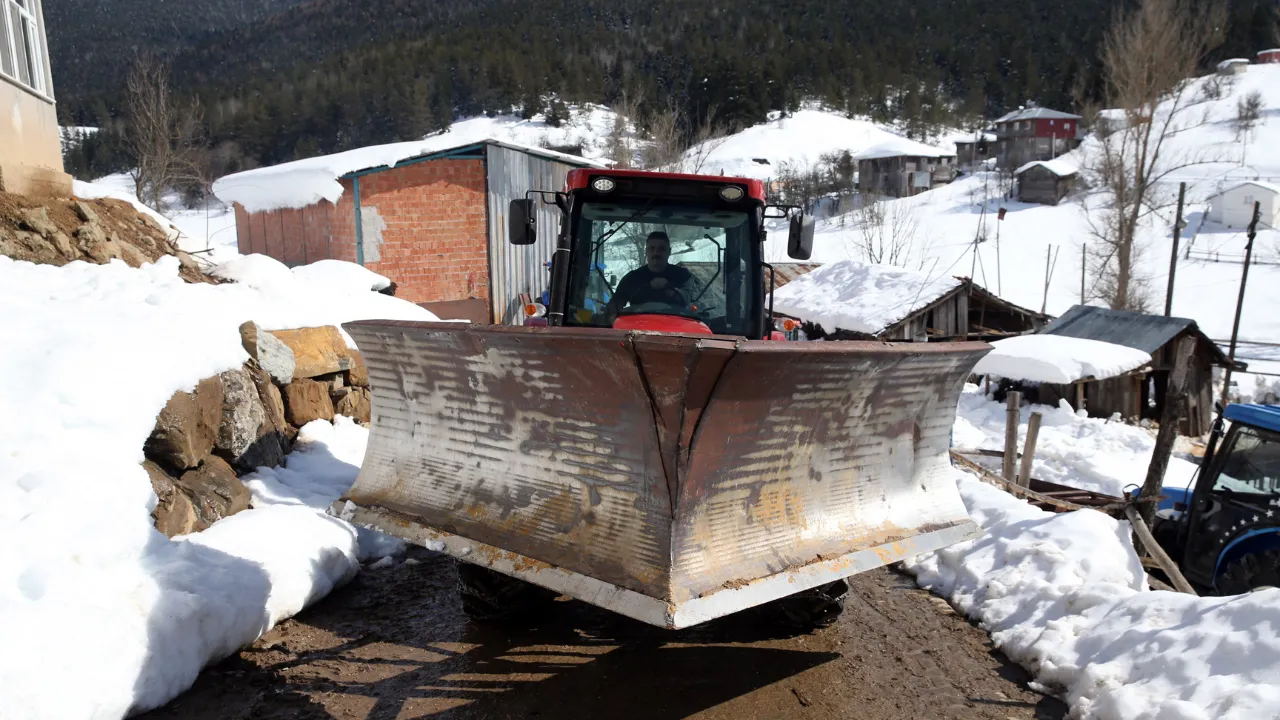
<point x="430" y="218"/>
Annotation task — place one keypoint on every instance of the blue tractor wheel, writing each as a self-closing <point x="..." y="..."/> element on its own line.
<point x="1250" y="572"/>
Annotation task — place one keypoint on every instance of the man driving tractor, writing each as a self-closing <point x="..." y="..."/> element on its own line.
<point x="655" y="281"/>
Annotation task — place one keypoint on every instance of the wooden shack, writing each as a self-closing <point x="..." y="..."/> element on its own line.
<point x="1045" y="182"/>
<point x="1142" y="395"/>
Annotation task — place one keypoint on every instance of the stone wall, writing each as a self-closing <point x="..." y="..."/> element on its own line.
<point x="247" y="418"/>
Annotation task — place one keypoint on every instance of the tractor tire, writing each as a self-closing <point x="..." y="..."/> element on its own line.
<point x="814" y="608"/>
<point x="1250" y="572"/>
<point x="490" y="596"/>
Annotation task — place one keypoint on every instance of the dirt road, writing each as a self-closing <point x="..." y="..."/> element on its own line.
<point x="395" y="644"/>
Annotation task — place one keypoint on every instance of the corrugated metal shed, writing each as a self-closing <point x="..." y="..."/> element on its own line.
<point x="1131" y="329"/>
<point x="511" y="172"/>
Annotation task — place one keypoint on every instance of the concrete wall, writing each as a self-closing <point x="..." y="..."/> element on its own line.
<point x="30" y="149"/>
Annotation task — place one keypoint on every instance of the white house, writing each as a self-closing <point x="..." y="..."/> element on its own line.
<point x="1233" y="207"/>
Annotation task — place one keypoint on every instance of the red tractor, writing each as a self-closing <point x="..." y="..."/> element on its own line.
<point x="652" y="451"/>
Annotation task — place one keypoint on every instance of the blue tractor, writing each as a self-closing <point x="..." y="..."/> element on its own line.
<point x="1224" y="533"/>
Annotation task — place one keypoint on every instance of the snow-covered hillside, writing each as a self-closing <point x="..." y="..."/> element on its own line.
<point x="800" y="140"/>
<point x="1012" y="259"/>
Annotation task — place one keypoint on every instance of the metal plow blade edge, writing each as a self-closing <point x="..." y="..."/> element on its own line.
<point x="672" y="479"/>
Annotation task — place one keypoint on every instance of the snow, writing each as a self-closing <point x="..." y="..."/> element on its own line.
<point x="901" y="147"/>
<point x="301" y="183"/>
<point x="120" y="187"/>
<point x="89" y="589"/>
<point x="341" y="275"/>
<point x="799" y="140"/>
<point x="1064" y="595"/>
<point x="1059" y="166"/>
<point x="947" y="220"/>
<point x="1088" y="453"/>
<point x="1269" y="187"/>
<point x="1058" y="359"/>
<point x="858" y="297"/>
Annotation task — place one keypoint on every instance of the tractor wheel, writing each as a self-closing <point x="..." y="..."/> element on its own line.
<point x="814" y="608"/>
<point x="493" y="597"/>
<point x="1250" y="572"/>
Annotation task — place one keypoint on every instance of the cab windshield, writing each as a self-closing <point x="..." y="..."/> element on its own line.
<point x="668" y="258"/>
<point x="1252" y="465"/>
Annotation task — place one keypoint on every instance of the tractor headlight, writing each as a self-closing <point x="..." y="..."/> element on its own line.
<point x="731" y="193"/>
<point x="603" y="185"/>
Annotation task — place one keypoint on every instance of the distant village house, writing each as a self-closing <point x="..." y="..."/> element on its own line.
<point x="1035" y="133"/>
<point x="1233" y="207"/>
<point x="30" y="147"/>
<point x="1045" y="182"/>
<point x="902" y="168"/>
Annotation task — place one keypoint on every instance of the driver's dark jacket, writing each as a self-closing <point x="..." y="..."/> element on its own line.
<point x="635" y="288"/>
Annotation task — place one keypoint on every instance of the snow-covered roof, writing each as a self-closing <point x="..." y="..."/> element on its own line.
<point x="1269" y="187"/>
<point x="977" y="137"/>
<point x="854" y="296"/>
<point x="301" y="183"/>
<point x="1232" y="61"/>
<point x="1266" y="52"/>
<point x="1059" y="359"/>
<point x="1059" y="167"/>
<point x="901" y="147"/>
<point x="1036" y="113"/>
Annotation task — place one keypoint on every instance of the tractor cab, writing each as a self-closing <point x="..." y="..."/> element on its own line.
<point x="1226" y="534"/>
<point x="661" y="251"/>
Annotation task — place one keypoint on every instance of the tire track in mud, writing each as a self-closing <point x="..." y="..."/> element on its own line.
<point x="395" y="644"/>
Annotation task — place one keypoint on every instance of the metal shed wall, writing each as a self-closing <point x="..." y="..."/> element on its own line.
<point x="519" y="269"/>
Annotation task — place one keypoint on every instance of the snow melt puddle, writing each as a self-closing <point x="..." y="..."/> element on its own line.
<point x="1064" y="595"/>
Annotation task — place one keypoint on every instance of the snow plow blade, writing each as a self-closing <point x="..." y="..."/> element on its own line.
<point x="669" y="478"/>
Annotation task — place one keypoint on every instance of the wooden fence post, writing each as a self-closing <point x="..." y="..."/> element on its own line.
<point x="1029" y="450"/>
<point x="1013" y="405"/>
<point x="1175" y="397"/>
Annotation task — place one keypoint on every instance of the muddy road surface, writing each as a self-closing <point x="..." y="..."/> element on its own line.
<point x="395" y="644"/>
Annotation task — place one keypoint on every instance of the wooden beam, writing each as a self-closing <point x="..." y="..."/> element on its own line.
<point x="1013" y="405"/>
<point x="1029" y="450"/>
<point x="1156" y="552"/>
<point x="1175" y="397"/>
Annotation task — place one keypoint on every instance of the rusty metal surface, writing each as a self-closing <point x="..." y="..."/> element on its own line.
<point x="671" y="466"/>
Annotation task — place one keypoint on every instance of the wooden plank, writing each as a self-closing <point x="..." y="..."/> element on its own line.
<point x="1029" y="450"/>
<point x="1013" y="405"/>
<point x="1156" y="552"/>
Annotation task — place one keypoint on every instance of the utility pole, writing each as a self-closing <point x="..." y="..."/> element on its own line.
<point x="999" y="274"/>
<point x="1244" y="278"/>
<point x="1048" y="273"/>
<point x="1173" y="254"/>
<point x="1084" y="254"/>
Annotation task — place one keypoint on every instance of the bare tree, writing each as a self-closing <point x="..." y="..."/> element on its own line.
<point x="165" y="136"/>
<point x="887" y="232"/>
<point x="1148" y="57"/>
<point x="675" y="145"/>
<point x="620" y="145"/>
<point x="1248" y="115"/>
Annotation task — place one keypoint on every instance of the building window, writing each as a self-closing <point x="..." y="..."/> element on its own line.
<point x="1050" y="123"/>
<point x="1248" y="200"/>
<point x="21" y="52"/>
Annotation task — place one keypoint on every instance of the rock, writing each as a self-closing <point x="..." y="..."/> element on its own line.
<point x="307" y="400"/>
<point x="132" y="255"/>
<point x="37" y="220"/>
<point x="187" y="427"/>
<point x="242" y="416"/>
<point x="358" y="375"/>
<point x="269" y="352"/>
<point x="334" y="381"/>
<point x="316" y="350"/>
<point x="215" y="490"/>
<point x="85" y="213"/>
<point x="275" y="436"/>
<point x="174" y="513"/>
<point x="187" y="261"/>
<point x="63" y="244"/>
<point x="337" y="395"/>
<point x="356" y="405"/>
<point x="94" y="243"/>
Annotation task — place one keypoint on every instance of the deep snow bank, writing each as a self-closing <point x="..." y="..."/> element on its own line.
<point x="1065" y="596"/>
<point x="101" y="613"/>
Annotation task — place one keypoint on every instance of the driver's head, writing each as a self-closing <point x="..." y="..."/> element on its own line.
<point x="657" y="249"/>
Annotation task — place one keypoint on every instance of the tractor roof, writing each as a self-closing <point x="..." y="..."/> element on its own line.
<point x="1263" y="416"/>
<point x="578" y="178"/>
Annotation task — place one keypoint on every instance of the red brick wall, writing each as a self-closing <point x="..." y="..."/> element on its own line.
<point x="435" y="245"/>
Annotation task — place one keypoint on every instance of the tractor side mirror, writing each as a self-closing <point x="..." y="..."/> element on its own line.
<point x="800" y="239"/>
<point x="521" y="222"/>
